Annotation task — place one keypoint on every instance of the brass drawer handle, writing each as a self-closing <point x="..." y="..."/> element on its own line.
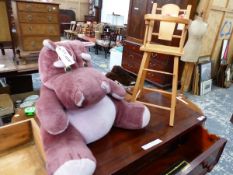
<point x="50" y="18"/>
<point x="30" y="28"/>
<point x="50" y="30"/>
<point x="154" y="55"/>
<point x="54" y="8"/>
<point x="28" y="7"/>
<point x="49" y="8"/>
<point x="33" y="44"/>
<point x="29" y="17"/>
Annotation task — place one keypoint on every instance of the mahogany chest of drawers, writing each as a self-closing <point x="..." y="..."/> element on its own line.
<point x="187" y="141"/>
<point x="35" y="21"/>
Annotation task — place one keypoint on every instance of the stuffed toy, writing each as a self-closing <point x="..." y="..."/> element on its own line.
<point x="78" y="105"/>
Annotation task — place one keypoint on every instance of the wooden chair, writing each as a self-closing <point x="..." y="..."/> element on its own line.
<point x="169" y="18"/>
<point x="107" y="41"/>
<point x="69" y="34"/>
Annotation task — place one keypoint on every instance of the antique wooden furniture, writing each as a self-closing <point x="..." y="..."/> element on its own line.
<point x="5" y="29"/>
<point x="21" y="150"/>
<point x="107" y="41"/>
<point x="65" y="17"/>
<point x="122" y="152"/>
<point x="132" y="56"/>
<point x="70" y="33"/>
<point x="168" y="19"/>
<point x="35" y="21"/>
<point x="97" y="12"/>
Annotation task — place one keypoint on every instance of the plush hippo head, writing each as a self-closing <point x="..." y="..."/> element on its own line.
<point x="50" y="63"/>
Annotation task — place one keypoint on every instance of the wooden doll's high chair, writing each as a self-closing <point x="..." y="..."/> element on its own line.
<point x="170" y="18"/>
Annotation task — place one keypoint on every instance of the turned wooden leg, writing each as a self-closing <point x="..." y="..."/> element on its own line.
<point x="2" y="49"/>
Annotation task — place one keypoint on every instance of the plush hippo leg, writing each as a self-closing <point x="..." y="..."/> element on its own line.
<point x="67" y="153"/>
<point x="131" y="115"/>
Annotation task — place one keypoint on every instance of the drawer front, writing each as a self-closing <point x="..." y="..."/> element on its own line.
<point x="206" y="161"/>
<point x="26" y="17"/>
<point x="37" y="7"/>
<point x="40" y="29"/>
<point x="131" y="61"/>
<point x="132" y="46"/>
<point x="35" y="43"/>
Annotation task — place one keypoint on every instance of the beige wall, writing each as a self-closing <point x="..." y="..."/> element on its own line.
<point x="80" y="7"/>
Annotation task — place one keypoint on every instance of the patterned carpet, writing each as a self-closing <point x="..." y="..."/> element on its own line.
<point x="217" y="106"/>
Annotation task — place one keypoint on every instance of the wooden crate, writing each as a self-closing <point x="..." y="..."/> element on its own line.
<point x="21" y="150"/>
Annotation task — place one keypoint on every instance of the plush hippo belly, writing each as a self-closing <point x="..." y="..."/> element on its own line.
<point x="95" y="121"/>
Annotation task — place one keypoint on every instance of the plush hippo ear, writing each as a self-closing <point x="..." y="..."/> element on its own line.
<point x="59" y="64"/>
<point x="85" y="56"/>
<point x="49" y="44"/>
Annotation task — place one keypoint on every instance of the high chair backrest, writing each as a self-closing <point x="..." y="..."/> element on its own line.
<point x="169" y="17"/>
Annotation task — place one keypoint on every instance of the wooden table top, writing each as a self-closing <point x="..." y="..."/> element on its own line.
<point x="86" y="38"/>
<point x="12" y="68"/>
<point x="122" y="148"/>
<point x="20" y="115"/>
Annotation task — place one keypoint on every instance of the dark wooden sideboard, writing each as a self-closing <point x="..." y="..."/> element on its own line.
<point x="135" y="33"/>
<point x="120" y="152"/>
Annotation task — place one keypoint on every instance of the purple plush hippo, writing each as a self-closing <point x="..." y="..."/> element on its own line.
<point x="78" y="106"/>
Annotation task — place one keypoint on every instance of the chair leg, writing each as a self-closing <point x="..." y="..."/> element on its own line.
<point x="106" y="52"/>
<point x="2" y="49"/>
<point x="174" y="91"/>
<point x="141" y="76"/>
<point x="96" y="49"/>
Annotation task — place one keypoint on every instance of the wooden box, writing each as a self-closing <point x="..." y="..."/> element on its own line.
<point x="21" y="149"/>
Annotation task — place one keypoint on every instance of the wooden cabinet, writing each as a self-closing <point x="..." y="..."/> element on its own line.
<point x="122" y="153"/>
<point x="5" y="35"/>
<point x="35" y="21"/>
<point x="131" y="61"/>
<point x="135" y="34"/>
<point x="5" y="26"/>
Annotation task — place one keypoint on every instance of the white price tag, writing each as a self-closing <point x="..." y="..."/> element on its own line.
<point x="151" y="144"/>
<point x="65" y="57"/>
<point x="201" y="118"/>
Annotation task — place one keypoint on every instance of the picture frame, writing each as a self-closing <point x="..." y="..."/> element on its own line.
<point x="205" y="87"/>
<point x="203" y="59"/>
<point x="205" y="71"/>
